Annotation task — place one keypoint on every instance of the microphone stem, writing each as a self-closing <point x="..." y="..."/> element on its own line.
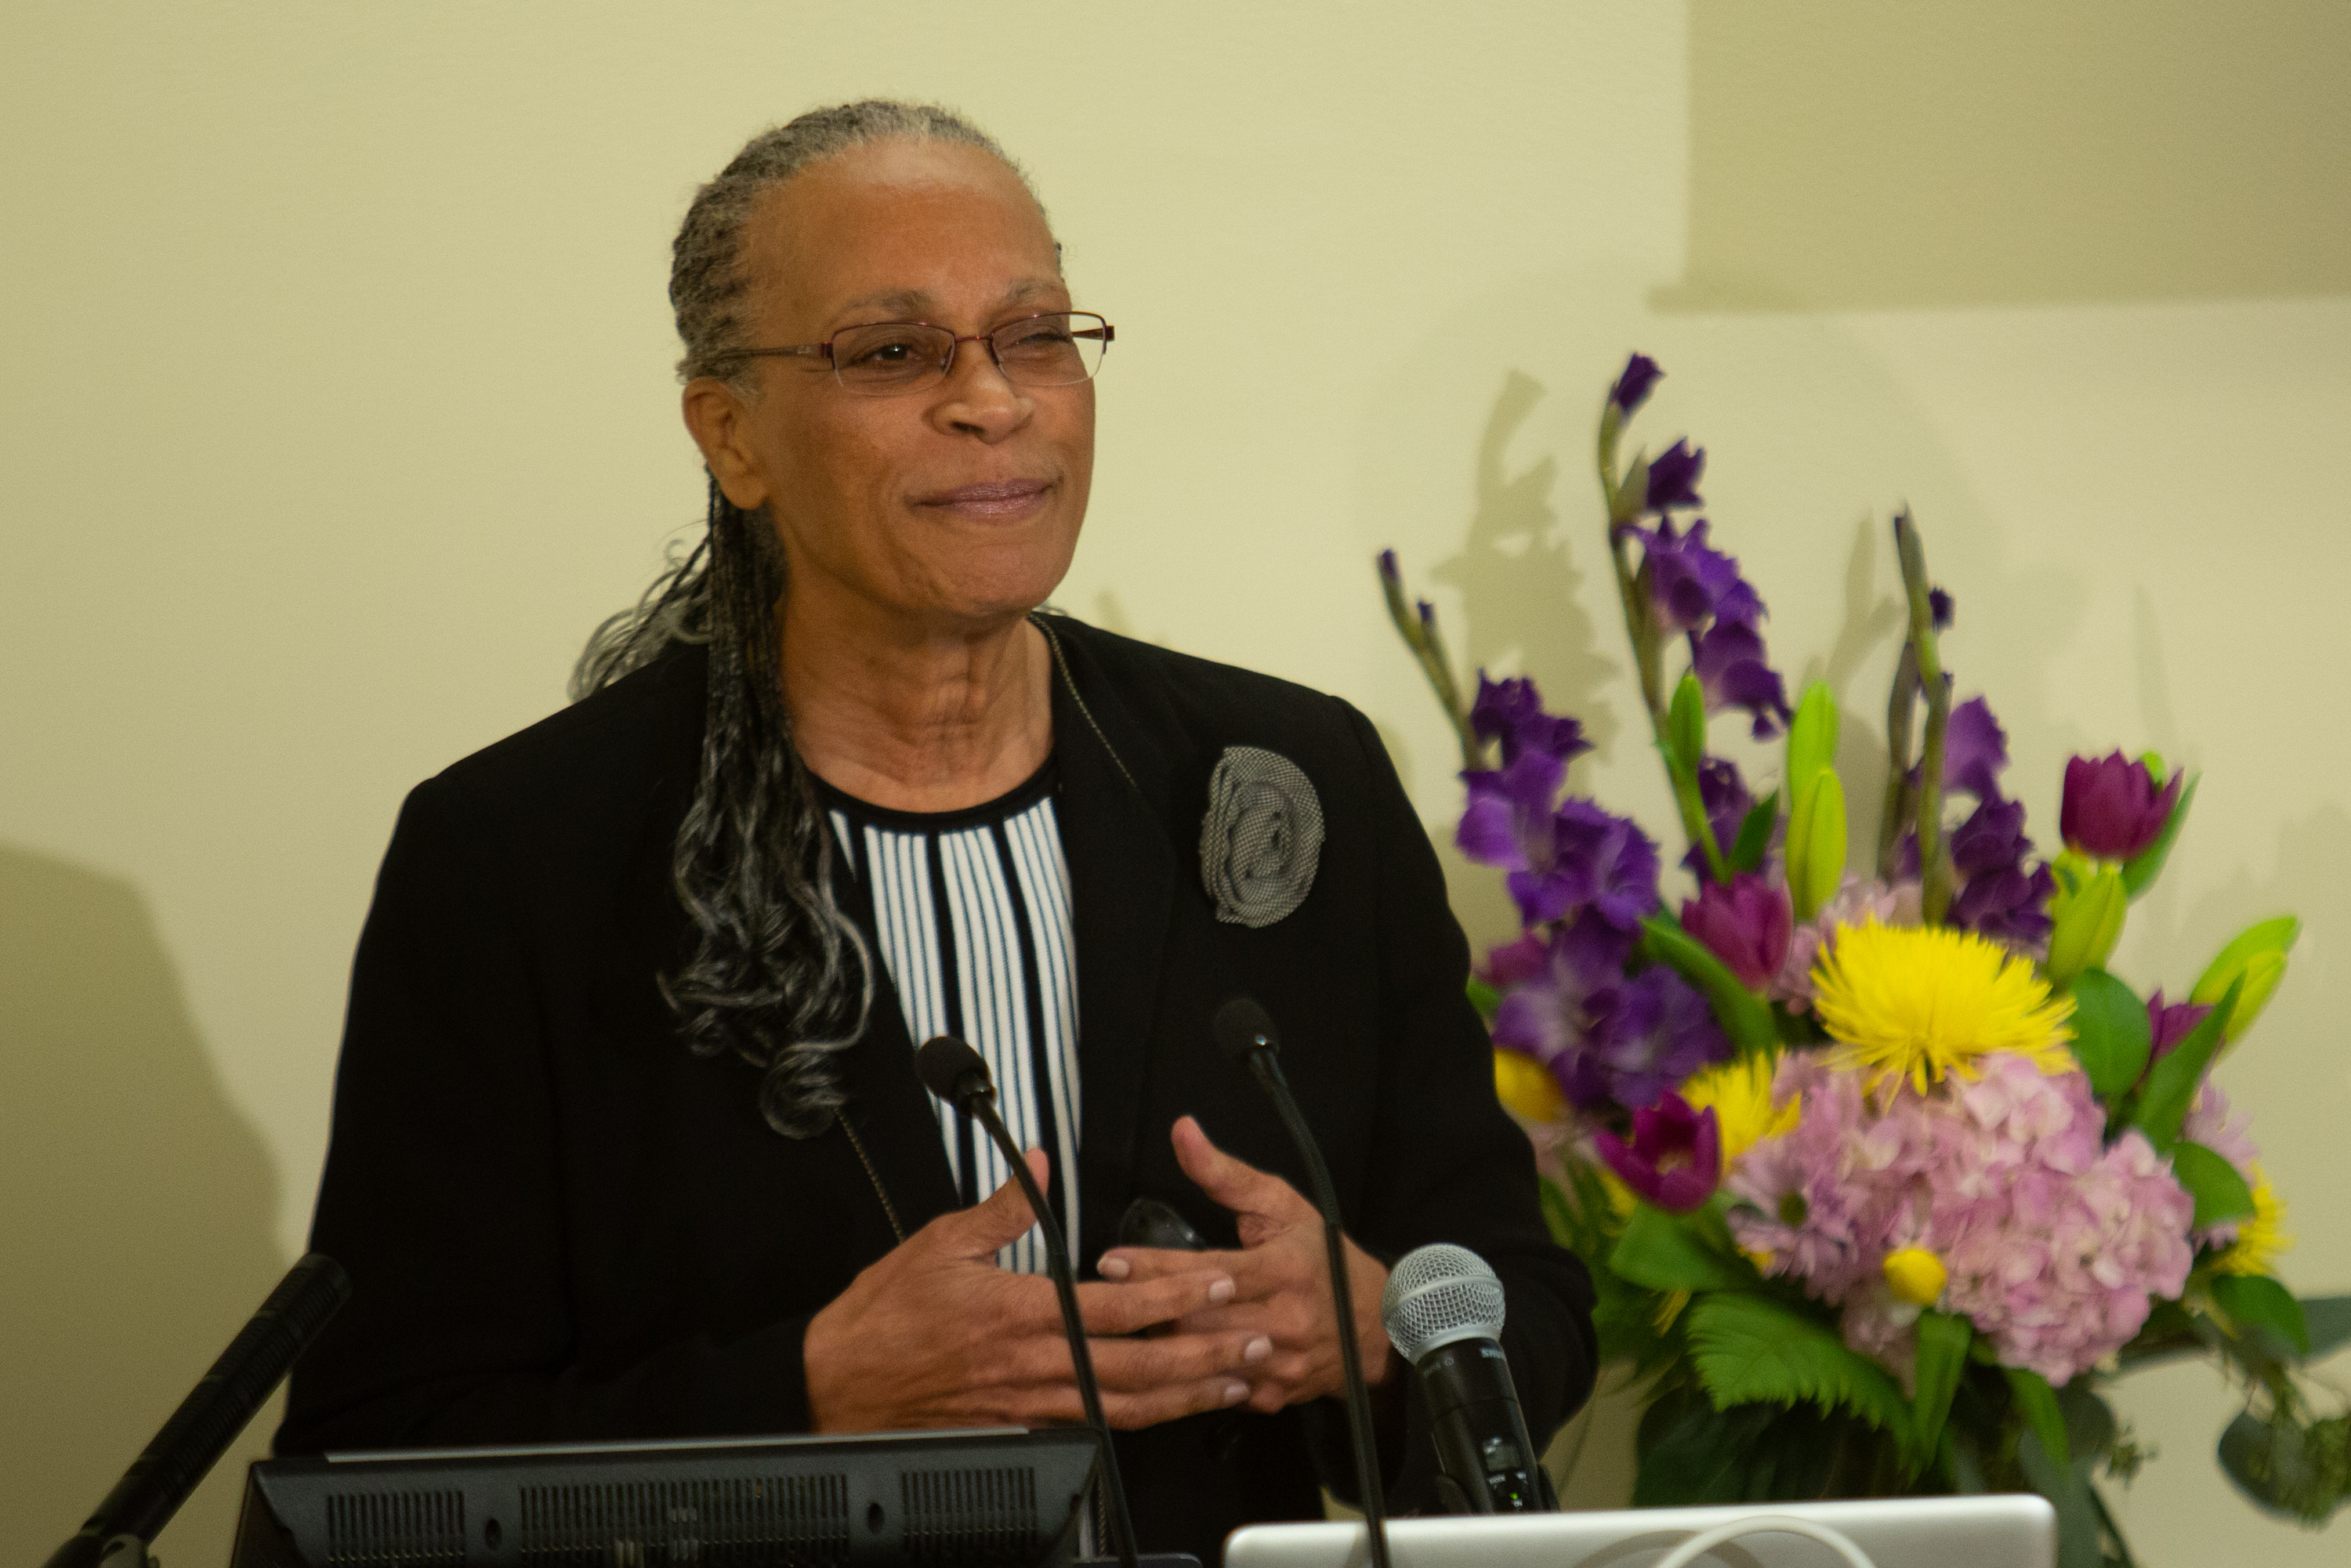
<point x="1342" y="1299"/>
<point x="1073" y="1326"/>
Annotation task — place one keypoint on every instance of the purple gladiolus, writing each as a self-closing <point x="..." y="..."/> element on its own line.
<point x="1659" y="1032"/>
<point x="1632" y="388"/>
<point x="1508" y="823"/>
<point x="1997" y="897"/>
<point x="1722" y="796"/>
<point x="1606" y="863"/>
<point x="1730" y="667"/>
<point x="1673" y="478"/>
<point x="2168" y="1026"/>
<point x="1746" y="924"/>
<point x="1511" y="712"/>
<point x="1674" y="1160"/>
<point x="1691" y="583"/>
<point x="1975" y="750"/>
<point x="2113" y="810"/>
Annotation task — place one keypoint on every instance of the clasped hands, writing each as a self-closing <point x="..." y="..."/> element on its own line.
<point x="934" y="1334"/>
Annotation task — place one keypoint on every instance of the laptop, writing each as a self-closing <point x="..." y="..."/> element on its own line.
<point x="1999" y="1530"/>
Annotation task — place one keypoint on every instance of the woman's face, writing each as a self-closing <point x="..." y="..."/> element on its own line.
<point x="952" y="508"/>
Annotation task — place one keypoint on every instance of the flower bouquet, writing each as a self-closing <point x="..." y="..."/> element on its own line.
<point x="1882" y="1178"/>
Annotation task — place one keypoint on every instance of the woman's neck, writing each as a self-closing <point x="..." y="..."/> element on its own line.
<point x="914" y="718"/>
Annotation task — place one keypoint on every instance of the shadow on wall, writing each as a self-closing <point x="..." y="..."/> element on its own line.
<point x="136" y="1219"/>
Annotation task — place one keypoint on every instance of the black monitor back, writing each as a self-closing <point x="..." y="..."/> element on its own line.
<point x="1011" y="1498"/>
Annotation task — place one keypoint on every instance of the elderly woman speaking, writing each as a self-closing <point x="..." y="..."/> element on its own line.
<point x="628" y="1140"/>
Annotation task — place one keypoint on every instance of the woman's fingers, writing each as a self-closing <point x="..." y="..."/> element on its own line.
<point x="1234" y="1184"/>
<point x="1124" y="1307"/>
<point x="1139" y="1364"/>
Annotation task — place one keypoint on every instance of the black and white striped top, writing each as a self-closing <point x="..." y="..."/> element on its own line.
<point x="972" y="911"/>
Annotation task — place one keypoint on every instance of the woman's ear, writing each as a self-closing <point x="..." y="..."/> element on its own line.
<point x="718" y="420"/>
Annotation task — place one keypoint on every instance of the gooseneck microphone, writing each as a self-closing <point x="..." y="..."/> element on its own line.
<point x="208" y="1420"/>
<point x="1443" y="1308"/>
<point x="1245" y="1030"/>
<point x="955" y="1072"/>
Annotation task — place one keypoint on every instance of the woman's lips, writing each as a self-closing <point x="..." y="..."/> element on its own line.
<point x="1000" y="499"/>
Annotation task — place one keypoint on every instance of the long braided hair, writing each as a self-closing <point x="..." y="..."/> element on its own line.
<point x="779" y="976"/>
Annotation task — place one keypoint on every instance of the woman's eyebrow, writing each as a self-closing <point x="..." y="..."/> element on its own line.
<point x="915" y="304"/>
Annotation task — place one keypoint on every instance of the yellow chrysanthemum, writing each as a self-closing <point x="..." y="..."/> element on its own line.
<point x="2260" y="1238"/>
<point x="1741" y="1093"/>
<point x="1526" y="1086"/>
<point x="1918" y="1004"/>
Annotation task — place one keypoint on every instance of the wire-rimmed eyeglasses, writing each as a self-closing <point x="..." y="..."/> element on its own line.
<point x="883" y="358"/>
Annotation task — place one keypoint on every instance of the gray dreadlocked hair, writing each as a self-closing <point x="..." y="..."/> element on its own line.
<point x="779" y="976"/>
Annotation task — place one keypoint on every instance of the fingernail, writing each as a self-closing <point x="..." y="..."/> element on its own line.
<point x="1235" y="1392"/>
<point x="1257" y="1350"/>
<point x="1114" y="1269"/>
<point x="1220" y="1293"/>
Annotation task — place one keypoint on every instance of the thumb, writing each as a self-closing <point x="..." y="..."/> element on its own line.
<point x="1236" y="1184"/>
<point x="1001" y="1218"/>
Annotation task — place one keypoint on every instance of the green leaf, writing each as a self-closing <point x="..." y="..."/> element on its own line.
<point x="2288" y="1469"/>
<point x="2257" y="959"/>
<point x="1664" y="1252"/>
<point x="2258" y="1304"/>
<point x="2329" y="1322"/>
<point x="2088" y="923"/>
<point x="2140" y="871"/>
<point x="1742" y="1013"/>
<point x="1943" y="1340"/>
<point x="1816" y="846"/>
<point x="1484" y="997"/>
<point x="1559" y="1215"/>
<point x="1686" y="723"/>
<point x="1755" y="834"/>
<point x="1811" y="738"/>
<point x="2172" y="1084"/>
<point x="2221" y="1194"/>
<point x="2111" y="1037"/>
<point x="2037" y="1403"/>
<point x="1749" y="1349"/>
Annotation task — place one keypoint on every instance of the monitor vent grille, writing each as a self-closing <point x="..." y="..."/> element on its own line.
<point x="971" y="1515"/>
<point x="383" y="1529"/>
<point x="752" y="1522"/>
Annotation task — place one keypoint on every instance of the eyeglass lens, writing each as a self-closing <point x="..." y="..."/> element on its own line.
<point x="1052" y="350"/>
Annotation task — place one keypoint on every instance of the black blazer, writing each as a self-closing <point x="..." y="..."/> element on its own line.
<point x="562" y="1225"/>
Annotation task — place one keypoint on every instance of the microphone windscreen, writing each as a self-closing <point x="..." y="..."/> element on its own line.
<point x="1437" y="1294"/>
<point x="1242" y="1025"/>
<point x="946" y="1065"/>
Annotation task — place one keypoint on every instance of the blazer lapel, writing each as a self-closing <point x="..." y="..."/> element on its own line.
<point x="1123" y="872"/>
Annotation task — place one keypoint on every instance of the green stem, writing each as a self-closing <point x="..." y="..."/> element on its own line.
<point x="1899" y="707"/>
<point x="1623" y="502"/>
<point x="1419" y="635"/>
<point x="1934" y="858"/>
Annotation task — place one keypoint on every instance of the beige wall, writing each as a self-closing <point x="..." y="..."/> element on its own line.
<point x="336" y="407"/>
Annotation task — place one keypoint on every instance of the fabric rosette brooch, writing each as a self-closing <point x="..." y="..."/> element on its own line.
<point x="1882" y="1178"/>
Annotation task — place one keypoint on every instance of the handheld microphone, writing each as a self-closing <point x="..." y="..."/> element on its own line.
<point x="955" y="1072"/>
<point x="208" y="1420"/>
<point x="1245" y="1030"/>
<point x="1443" y="1308"/>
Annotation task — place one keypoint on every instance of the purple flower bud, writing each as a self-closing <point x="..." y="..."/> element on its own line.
<point x="2168" y="1026"/>
<point x="1673" y="478"/>
<point x="2113" y="810"/>
<point x="1389" y="570"/>
<point x="1746" y="924"/>
<point x="1632" y="388"/>
<point x="1938" y="608"/>
<point x="1722" y="796"/>
<point x="1674" y="1159"/>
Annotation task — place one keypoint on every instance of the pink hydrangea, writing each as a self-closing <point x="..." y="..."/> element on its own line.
<point x="2056" y="1243"/>
<point x="1855" y="902"/>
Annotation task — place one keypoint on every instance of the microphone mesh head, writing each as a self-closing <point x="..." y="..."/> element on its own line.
<point x="1437" y="1294"/>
